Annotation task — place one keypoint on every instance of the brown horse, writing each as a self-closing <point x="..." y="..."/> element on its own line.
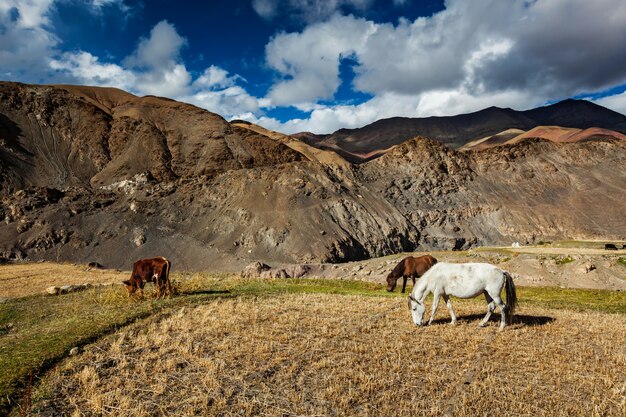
<point x="409" y="267"/>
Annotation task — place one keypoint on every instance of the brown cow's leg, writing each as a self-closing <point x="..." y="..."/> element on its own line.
<point x="158" y="285"/>
<point x="168" y="283"/>
<point x="163" y="282"/>
<point x="404" y="279"/>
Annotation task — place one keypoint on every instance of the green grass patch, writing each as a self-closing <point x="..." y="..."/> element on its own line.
<point x="573" y="299"/>
<point x="562" y="260"/>
<point x="621" y="261"/>
<point x="317" y="286"/>
<point x="38" y="331"/>
<point x="503" y="251"/>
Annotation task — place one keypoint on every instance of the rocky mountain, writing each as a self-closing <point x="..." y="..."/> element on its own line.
<point x="456" y="131"/>
<point x="97" y="174"/>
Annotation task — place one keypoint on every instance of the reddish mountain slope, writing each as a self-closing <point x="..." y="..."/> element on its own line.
<point x="551" y="133"/>
<point x="567" y="135"/>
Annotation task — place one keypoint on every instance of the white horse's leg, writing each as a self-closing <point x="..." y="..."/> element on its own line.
<point x="435" y="305"/>
<point x="446" y="298"/>
<point x="502" y="308"/>
<point x="491" y="305"/>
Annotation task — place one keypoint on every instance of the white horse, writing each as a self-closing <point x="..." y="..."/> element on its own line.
<point x="463" y="281"/>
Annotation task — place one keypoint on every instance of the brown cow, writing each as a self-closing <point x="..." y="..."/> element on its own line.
<point x="155" y="270"/>
<point x="409" y="267"/>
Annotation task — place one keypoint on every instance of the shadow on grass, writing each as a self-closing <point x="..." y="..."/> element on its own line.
<point x="204" y="292"/>
<point x="530" y="321"/>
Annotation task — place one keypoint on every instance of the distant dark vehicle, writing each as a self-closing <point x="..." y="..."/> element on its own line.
<point x="610" y="246"/>
<point x="409" y="267"/>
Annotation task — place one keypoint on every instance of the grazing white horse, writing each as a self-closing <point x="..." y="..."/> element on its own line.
<point x="463" y="281"/>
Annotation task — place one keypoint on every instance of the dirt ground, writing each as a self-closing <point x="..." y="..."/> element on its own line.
<point x="546" y="267"/>
<point x="345" y="355"/>
<point x="531" y="266"/>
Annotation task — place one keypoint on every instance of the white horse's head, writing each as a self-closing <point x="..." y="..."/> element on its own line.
<point x="417" y="310"/>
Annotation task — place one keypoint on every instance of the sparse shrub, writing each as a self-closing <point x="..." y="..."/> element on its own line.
<point x="562" y="260"/>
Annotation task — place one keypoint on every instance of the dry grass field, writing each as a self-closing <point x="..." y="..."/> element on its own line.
<point x="22" y="279"/>
<point x="344" y="355"/>
<point x="231" y="346"/>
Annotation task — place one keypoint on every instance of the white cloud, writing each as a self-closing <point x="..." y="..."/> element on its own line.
<point x="452" y="102"/>
<point x="215" y="77"/>
<point x="160" y="49"/>
<point x="616" y="102"/>
<point x="155" y="68"/>
<point x="105" y="3"/>
<point x="467" y="57"/>
<point x="306" y="10"/>
<point x="30" y="14"/>
<point x="471" y="55"/>
<point x="309" y="61"/>
<point x="89" y="70"/>
<point x="29" y="51"/>
<point x="171" y="81"/>
<point x="265" y="8"/>
<point x="327" y="119"/>
<point x="99" y="5"/>
<point x="28" y="45"/>
<point x="232" y="102"/>
<point x="216" y="90"/>
<point x="25" y="43"/>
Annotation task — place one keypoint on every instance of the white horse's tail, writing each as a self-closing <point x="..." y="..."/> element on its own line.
<point x="511" y="295"/>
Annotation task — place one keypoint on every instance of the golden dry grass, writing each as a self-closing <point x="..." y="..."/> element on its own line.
<point x="22" y="279"/>
<point x="324" y="354"/>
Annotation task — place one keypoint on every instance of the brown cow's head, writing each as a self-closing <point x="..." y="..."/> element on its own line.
<point x="391" y="282"/>
<point x="129" y="286"/>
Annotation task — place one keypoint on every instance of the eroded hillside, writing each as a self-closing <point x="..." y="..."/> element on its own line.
<point x="95" y="174"/>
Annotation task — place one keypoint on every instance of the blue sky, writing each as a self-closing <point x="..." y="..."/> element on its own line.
<point x="320" y="65"/>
